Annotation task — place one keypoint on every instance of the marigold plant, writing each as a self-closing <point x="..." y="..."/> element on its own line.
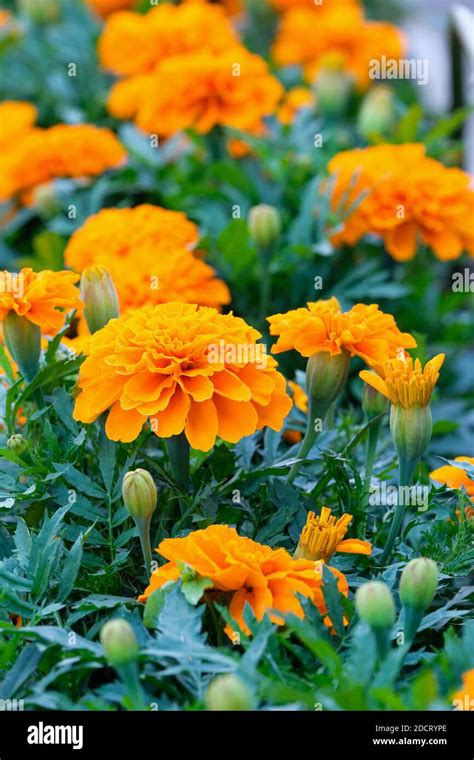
<point x="44" y="298"/>
<point x="322" y="326"/>
<point x="199" y="91"/>
<point x="185" y="369"/>
<point x="267" y="579"/>
<point x="147" y="250"/>
<point x="406" y="198"/>
<point x="16" y="118"/>
<point x="312" y="36"/>
<point x="41" y="155"/>
<point x="455" y="477"/>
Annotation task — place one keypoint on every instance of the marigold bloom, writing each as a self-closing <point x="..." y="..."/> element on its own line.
<point x="323" y="535"/>
<point x="41" y="155"/>
<point x="267" y="579"/>
<point x="404" y="197"/>
<point x="44" y="298"/>
<point x="363" y="331"/>
<point x="146" y="249"/>
<point x="309" y="35"/>
<point x="455" y="477"/>
<point x="184" y="368"/>
<point x="201" y="90"/>
<point x="466" y="693"/>
<point x="404" y="381"/>
<point x="134" y="43"/>
<point x="294" y="101"/>
<point x="286" y="5"/>
<point x="16" y="118"/>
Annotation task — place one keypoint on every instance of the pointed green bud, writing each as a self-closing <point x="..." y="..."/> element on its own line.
<point x="375" y="605"/>
<point x="100" y="297"/>
<point x="264" y="224"/>
<point x="139" y="493"/>
<point x="119" y="642"/>
<point x="418" y="583"/>
<point x="228" y="692"/>
<point x="23" y="341"/>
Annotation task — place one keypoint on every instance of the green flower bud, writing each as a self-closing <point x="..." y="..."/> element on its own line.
<point x="373" y="403"/>
<point x="264" y="224"/>
<point x="100" y="297"/>
<point x="418" y="583"/>
<point x="119" y="642"/>
<point x="375" y="605"/>
<point x="139" y="493"/>
<point x="326" y="376"/>
<point x="411" y="433"/>
<point x="23" y="341"/>
<point x="333" y="87"/>
<point x="41" y="11"/>
<point x="377" y="112"/>
<point x="45" y="200"/>
<point x="228" y="692"/>
<point x="17" y="444"/>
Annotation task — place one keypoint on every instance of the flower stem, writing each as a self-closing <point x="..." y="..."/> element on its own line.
<point x="265" y="282"/>
<point x="405" y="478"/>
<point x="178" y="453"/>
<point x="370" y="452"/>
<point x="309" y="437"/>
<point x="131" y="680"/>
<point x="143" y="526"/>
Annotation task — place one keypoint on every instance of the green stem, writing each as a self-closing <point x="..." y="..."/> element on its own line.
<point x="178" y="453"/>
<point x="215" y="619"/>
<point x="143" y="526"/>
<point x="131" y="679"/>
<point x="405" y="478"/>
<point x="110" y="529"/>
<point x="382" y="639"/>
<point x="309" y="438"/>
<point x="370" y="452"/>
<point x="265" y="282"/>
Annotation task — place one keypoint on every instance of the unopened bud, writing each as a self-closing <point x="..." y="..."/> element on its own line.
<point x="333" y="86"/>
<point x="373" y="403"/>
<point x="411" y="432"/>
<point x="377" y="112"/>
<point x="228" y="692"/>
<point x="17" y="444"/>
<point x="326" y="376"/>
<point x="100" y="297"/>
<point x="23" y="341"/>
<point x="375" y="605"/>
<point x="264" y="224"/>
<point x="119" y="642"/>
<point x="139" y="493"/>
<point x="418" y="583"/>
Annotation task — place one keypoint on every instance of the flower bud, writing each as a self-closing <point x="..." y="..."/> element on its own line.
<point x="326" y="376"/>
<point x="100" y="297"/>
<point x="332" y="87"/>
<point x="418" y="583"/>
<point x="411" y="433"/>
<point x="139" y="493"/>
<point x="264" y="224"/>
<point x="377" y="112"/>
<point x="228" y="692"/>
<point x="373" y="403"/>
<point x="17" y="444"/>
<point x="375" y="605"/>
<point x="23" y="341"/>
<point x="41" y="11"/>
<point x="45" y="200"/>
<point x="119" y="642"/>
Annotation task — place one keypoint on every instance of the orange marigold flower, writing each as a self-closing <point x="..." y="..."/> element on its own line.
<point x="41" y="155"/>
<point x="16" y="118"/>
<point x="134" y="43"/>
<point x="455" y="477"/>
<point x="199" y="91"/>
<point x="294" y="100"/>
<point x="147" y="251"/>
<point x="404" y="197"/>
<point x="44" y="298"/>
<point x="323" y="535"/>
<point x="183" y="367"/>
<point x="265" y="578"/>
<point x="404" y="381"/>
<point x="465" y="695"/>
<point x="286" y="5"/>
<point x="363" y="331"/>
<point x="308" y="35"/>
